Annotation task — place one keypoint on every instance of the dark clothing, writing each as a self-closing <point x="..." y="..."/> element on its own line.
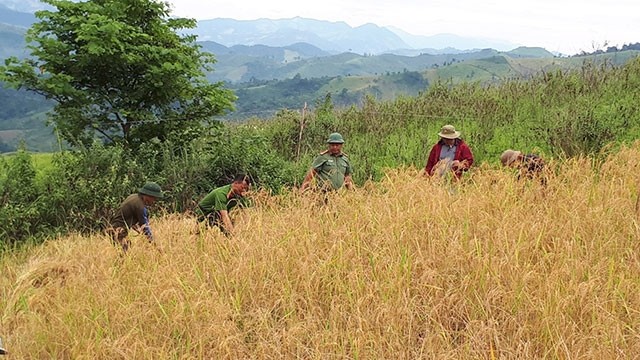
<point x="119" y="237"/>
<point x="532" y="166"/>
<point x="131" y="214"/>
<point x="463" y="152"/>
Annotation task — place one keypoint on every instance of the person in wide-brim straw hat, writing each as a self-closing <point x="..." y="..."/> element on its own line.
<point x="509" y="156"/>
<point x="530" y="164"/>
<point x="450" y="153"/>
<point x="449" y="132"/>
<point x="133" y="214"/>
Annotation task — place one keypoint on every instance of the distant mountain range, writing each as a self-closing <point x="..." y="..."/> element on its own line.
<point x="336" y="37"/>
<point x="267" y="49"/>
<point x="332" y="37"/>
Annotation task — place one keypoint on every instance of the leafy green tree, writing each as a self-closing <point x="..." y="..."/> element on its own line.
<point x="120" y="69"/>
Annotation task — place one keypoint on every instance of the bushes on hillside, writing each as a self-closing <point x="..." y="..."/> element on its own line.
<point x="83" y="188"/>
<point x="19" y="208"/>
<point x="559" y="114"/>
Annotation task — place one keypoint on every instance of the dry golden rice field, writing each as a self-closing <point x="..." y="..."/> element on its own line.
<point x="401" y="269"/>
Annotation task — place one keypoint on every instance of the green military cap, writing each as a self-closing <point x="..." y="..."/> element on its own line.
<point x="151" y="189"/>
<point x="335" y="138"/>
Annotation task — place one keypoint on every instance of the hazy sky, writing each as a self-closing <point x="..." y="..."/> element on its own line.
<point x="567" y="26"/>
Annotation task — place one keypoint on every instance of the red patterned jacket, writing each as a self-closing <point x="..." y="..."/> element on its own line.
<point x="463" y="152"/>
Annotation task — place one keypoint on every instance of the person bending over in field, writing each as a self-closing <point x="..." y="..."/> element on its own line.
<point x="529" y="165"/>
<point x="215" y="207"/>
<point x="133" y="214"/>
<point x="449" y="155"/>
<point x="331" y="168"/>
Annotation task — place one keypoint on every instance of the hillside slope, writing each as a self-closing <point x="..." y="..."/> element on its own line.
<point x="347" y="77"/>
<point x="493" y="268"/>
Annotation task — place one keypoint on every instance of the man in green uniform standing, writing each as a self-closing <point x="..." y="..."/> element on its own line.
<point x="133" y="214"/>
<point x="215" y="207"/>
<point x="331" y="168"/>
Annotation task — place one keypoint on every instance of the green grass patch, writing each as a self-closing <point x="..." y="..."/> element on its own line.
<point x="42" y="162"/>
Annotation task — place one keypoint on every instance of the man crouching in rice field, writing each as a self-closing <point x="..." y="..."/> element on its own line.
<point x="133" y="214"/>
<point x="529" y="165"/>
<point x="215" y="207"/>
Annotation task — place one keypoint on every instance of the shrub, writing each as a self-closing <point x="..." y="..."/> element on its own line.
<point x="20" y="214"/>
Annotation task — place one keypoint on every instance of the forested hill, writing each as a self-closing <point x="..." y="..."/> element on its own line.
<point x="239" y="64"/>
<point x="348" y="87"/>
<point x="348" y="78"/>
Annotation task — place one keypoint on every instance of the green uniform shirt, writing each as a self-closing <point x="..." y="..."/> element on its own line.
<point x="332" y="169"/>
<point x="217" y="200"/>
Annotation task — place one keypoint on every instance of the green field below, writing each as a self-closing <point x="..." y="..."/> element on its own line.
<point x="42" y="162"/>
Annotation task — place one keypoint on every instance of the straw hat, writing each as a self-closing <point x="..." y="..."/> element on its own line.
<point x="509" y="156"/>
<point x="449" y="132"/>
